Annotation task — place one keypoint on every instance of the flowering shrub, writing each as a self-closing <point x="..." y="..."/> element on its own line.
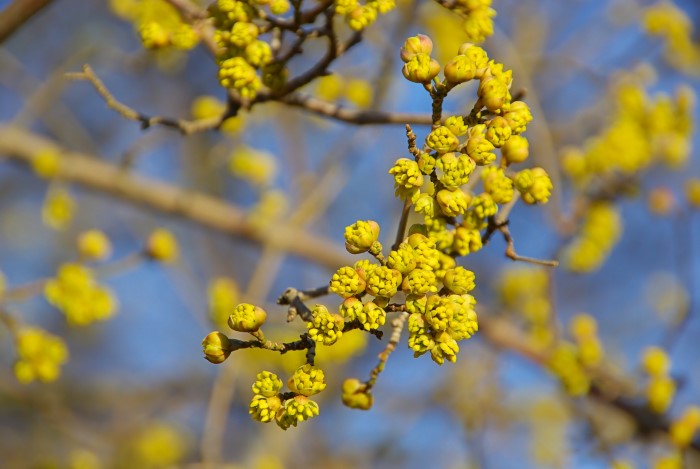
<point x="485" y="162"/>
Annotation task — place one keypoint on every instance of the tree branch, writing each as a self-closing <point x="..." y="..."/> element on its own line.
<point x="212" y="212"/>
<point x="606" y="386"/>
<point x="353" y="116"/>
<point x="184" y="126"/>
<point x="16" y="14"/>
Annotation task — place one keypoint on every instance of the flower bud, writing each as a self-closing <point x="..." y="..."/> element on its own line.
<point x="360" y="236"/>
<point x="516" y="149"/>
<point x="421" y="69"/>
<point x="94" y="244"/>
<point x="452" y="203"/>
<point x="307" y="380"/>
<point x="420" y="44"/>
<point x="247" y="318"/>
<point x="498" y="131"/>
<point x="477" y="55"/>
<point x="162" y="246"/>
<point x="426" y="163"/>
<point x="459" y="280"/>
<point x="460" y="69"/>
<point x="355" y="394"/>
<point x="493" y="93"/>
<point x="216" y="347"/>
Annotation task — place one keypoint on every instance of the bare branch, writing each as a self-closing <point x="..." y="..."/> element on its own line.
<point x="212" y="212"/>
<point x="511" y="254"/>
<point x="353" y="116"/>
<point x="16" y="14"/>
<point x="607" y="387"/>
<point x="184" y="126"/>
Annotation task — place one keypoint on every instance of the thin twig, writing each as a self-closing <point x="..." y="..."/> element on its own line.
<point x="401" y="231"/>
<point x="511" y="254"/>
<point x="353" y="116"/>
<point x="185" y="126"/>
<point x="396" y="329"/>
<point x="411" y="138"/>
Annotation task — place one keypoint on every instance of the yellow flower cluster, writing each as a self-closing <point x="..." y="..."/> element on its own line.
<point x="269" y="404"/>
<point x="247" y="318"/>
<point x="421" y="269"/>
<point x="40" y="355"/>
<point x="584" y="330"/>
<point x="418" y="269"/>
<point x="437" y="323"/>
<point x="643" y="129"/>
<point x="355" y="394"/>
<point x="476" y="20"/>
<point x="434" y="181"/>
<point x="525" y="290"/>
<point x="325" y="328"/>
<point x="158" y="23"/>
<point x="78" y="296"/>
<point x="360" y="15"/>
<point x="245" y="61"/>
<point x="565" y="362"/>
<point x="661" y="388"/>
<point x="598" y="235"/>
<point x="361" y="236"/>
<point x="670" y="23"/>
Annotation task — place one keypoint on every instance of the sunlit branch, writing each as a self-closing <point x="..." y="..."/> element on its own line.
<point x="204" y="209"/>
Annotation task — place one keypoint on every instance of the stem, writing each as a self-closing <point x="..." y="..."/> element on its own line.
<point x="397" y="327"/>
<point x="401" y="231"/>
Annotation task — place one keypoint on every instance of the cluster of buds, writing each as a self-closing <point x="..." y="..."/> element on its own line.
<point x="245" y="60"/>
<point x="76" y="293"/>
<point x="244" y="318"/>
<point x="526" y="290"/>
<point x="40" y="355"/>
<point x="358" y="16"/>
<point x="478" y="18"/>
<point x="419" y="277"/>
<point x="419" y="67"/>
<point x="661" y="388"/>
<point x="598" y="235"/>
<point x="291" y="408"/>
<point x="435" y="178"/>
<point x="643" y="130"/>
<point x="158" y="24"/>
<point x="156" y="35"/>
<point x="584" y="329"/>
<point x="436" y="293"/>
